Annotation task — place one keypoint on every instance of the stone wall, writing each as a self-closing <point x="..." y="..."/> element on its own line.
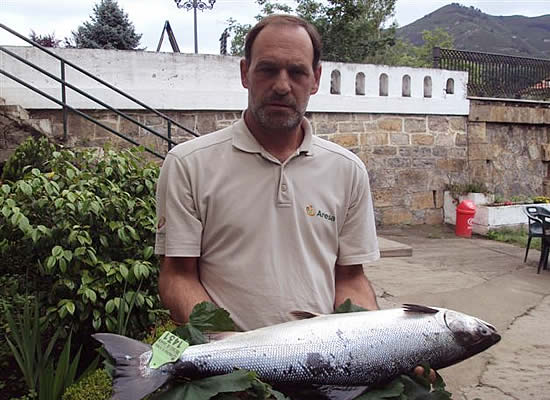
<point x="508" y="146"/>
<point x="410" y="158"/>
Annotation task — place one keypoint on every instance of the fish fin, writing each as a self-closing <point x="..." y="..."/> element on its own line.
<point x="129" y="382"/>
<point x="304" y="314"/>
<point x="215" y="336"/>
<point x="416" y="308"/>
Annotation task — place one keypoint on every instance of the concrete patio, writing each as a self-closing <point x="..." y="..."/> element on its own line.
<point x="484" y="278"/>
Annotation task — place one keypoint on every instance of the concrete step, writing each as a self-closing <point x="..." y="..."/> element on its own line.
<point x="391" y="248"/>
<point x="15" y="111"/>
<point x="44" y="125"/>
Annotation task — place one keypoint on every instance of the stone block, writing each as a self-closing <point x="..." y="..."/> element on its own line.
<point x="346" y="127"/>
<point x="346" y="141"/>
<point x="451" y="165"/>
<point x="422" y="140"/>
<point x="545" y="152"/>
<point x="382" y="198"/>
<point x="458" y="124"/>
<point x="396" y="216"/>
<point x="152" y="119"/>
<point x="379" y="177"/>
<point x="390" y="124"/>
<point x="439" y="198"/>
<point x="533" y="151"/>
<point x="457" y="152"/>
<point x="398" y="162"/>
<point x="423" y="163"/>
<point x="461" y="140"/>
<point x="370" y="126"/>
<point x="413" y="180"/>
<point x="399" y="139"/>
<point x="434" y="216"/>
<point x="100" y="132"/>
<point x="130" y="128"/>
<point x="362" y="117"/>
<point x="385" y="150"/>
<point x="415" y="125"/>
<point x="206" y="123"/>
<point x="445" y="139"/>
<point x="546" y="187"/>
<point x="519" y="114"/>
<point x="374" y="139"/>
<point x="481" y="152"/>
<point x="422" y="200"/>
<point x="318" y="116"/>
<point x="438" y="124"/>
<point x="440" y="151"/>
<point x="415" y="152"/>
<point x="339" y="117"/>
<point x="324" y="128"/>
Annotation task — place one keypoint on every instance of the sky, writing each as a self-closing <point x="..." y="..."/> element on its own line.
<point x="149" y="16"/>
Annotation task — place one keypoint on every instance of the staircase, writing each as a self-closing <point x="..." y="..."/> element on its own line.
<point x="16" y="125"/>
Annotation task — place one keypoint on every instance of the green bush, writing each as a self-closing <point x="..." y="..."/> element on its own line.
<point x="81" y="227"/>
<point x="30" y="154"/>
<point x="96" y="386"/>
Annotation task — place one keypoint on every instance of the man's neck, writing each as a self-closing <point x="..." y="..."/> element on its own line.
<point x="280" y="144"/>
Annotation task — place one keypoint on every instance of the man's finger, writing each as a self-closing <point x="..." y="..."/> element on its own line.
<point x="420" y="372"/>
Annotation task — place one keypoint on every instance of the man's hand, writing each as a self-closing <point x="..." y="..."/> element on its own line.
<point x="419" y="371"/>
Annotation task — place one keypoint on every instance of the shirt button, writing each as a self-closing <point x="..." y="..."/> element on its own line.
<point x="283" y="187"/>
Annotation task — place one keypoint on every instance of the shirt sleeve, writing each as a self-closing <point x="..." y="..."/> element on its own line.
<point x="179" y="228"/>
<point x="357" y="241"/>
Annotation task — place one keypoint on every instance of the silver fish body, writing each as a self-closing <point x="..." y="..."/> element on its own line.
<point x="356" y="349"/>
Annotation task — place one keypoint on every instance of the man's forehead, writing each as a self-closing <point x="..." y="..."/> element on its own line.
<point x="274" y="39"/>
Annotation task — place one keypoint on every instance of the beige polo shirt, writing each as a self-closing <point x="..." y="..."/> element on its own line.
<point x="268" y="234"/>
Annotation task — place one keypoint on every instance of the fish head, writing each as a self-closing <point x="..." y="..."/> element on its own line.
<point x="474" y="334"/>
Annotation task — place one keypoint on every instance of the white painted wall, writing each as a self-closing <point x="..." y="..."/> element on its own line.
<point x="209" y="82"/>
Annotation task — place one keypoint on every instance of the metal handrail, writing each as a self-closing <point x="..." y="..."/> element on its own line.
<point x="89" y="96"/>
<point x="84" y="115"/>
<point x="65" y="84"/>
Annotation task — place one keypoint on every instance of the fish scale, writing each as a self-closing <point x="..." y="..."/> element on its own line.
<point x="341" y="350"/>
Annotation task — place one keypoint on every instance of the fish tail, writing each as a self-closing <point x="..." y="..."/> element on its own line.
<point x="130" y="383"/>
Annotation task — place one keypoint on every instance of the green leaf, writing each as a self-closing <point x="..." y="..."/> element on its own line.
<point x="58" y="203"/>
<point x="68" y="255"/>
<point x="70" y="174"/>
<point x="62" y="265"/>
<point x="123" y="271"/>
<point x="57" y="251"/>
<point x="70" y="307"/>
<point x="110" y="306"/>
<point x="6" y="189"/>
<point x="391" y="391"/>
<point x="148" y="252"/>
<point x="190" y="334"/>
<point x="96" y="323"/>
<point x="71" y="197"/>
<point x="208" y="316"/>
<point x="25" y="188"/>
<point x="347" y="307"/>
<point x="206" y="388"/>
<point x="50" y="262"/>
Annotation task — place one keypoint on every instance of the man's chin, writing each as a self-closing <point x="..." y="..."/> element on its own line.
<point x="279" y="121"/>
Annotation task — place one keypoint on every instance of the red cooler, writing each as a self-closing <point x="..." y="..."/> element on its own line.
<point x="464" y="218"/>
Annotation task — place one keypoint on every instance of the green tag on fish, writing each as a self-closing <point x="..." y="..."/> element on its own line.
<point x="168" y="348"/>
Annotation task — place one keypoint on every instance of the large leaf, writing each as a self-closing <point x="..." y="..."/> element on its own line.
<point x="347" y="307"/>
<point x="209" y="317"/>
<point x="206" y="388"/>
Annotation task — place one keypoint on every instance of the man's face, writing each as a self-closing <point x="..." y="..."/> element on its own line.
<point x="280" y="77"/>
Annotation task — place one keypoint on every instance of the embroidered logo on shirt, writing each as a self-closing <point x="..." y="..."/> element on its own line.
<point x="314" y="213"/>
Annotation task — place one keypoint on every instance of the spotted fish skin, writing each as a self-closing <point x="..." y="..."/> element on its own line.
<point x="356" y="349"/>
<point x="363" y="348"/>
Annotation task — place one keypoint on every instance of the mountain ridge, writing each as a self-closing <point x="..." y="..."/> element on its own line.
<point x="475" y="30"/>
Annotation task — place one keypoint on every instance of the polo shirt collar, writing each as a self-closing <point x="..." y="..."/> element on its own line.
<point x="244" y="140"/>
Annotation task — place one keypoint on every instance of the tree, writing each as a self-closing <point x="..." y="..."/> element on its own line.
<point x="351" y="29"/>
<point x="109" y="28"/>
<point x="47" y="40"/>
<point x="403" y="53"/>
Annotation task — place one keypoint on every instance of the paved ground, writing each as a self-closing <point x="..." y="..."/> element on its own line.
<point x="487" y="279"/>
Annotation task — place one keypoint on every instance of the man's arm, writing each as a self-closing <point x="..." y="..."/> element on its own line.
<point x="351" y="283"/>
<point x="180" y="288"/>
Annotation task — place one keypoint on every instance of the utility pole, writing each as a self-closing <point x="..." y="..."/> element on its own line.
<point x="194" y="5"/>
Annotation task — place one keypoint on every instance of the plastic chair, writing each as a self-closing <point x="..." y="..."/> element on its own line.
<point x="544" y="217"/>
<point x="536" y="226"/>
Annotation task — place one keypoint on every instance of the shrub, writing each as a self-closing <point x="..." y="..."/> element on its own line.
<point x="81" y="226"/>
<point x="30" y="154"/>
<point x="96" y="386"/>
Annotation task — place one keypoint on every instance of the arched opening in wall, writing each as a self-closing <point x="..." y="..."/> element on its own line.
<point x="406" y="86"/>
<point x="384" y="85"/>
<point x="428" y="86"/>
<point x="335" y="82"/>
<point x="360" y="84"/>
<point x="450" y="89"/>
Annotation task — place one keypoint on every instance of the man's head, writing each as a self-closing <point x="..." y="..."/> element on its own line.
<point x="281" y="70"/>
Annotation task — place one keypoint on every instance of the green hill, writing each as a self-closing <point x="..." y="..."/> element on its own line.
<point x="476" y="31"/>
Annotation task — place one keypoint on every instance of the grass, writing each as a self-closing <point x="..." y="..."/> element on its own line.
<point x="514" y="236"/>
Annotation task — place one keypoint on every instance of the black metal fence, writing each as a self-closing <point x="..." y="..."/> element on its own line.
<point x="496" y="75"/>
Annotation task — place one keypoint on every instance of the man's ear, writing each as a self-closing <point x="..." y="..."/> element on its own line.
<point x="317" y="76"/>
<point x="244" y="73"/>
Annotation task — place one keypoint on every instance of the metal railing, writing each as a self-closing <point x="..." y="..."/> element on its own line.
<point x="497" y="75"/>
<point x="66" y="107"/>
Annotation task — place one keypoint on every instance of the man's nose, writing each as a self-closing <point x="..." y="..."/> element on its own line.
<point x="282" y="83"/>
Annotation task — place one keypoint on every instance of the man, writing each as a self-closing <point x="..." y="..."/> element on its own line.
<point x="263" y="218"/>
